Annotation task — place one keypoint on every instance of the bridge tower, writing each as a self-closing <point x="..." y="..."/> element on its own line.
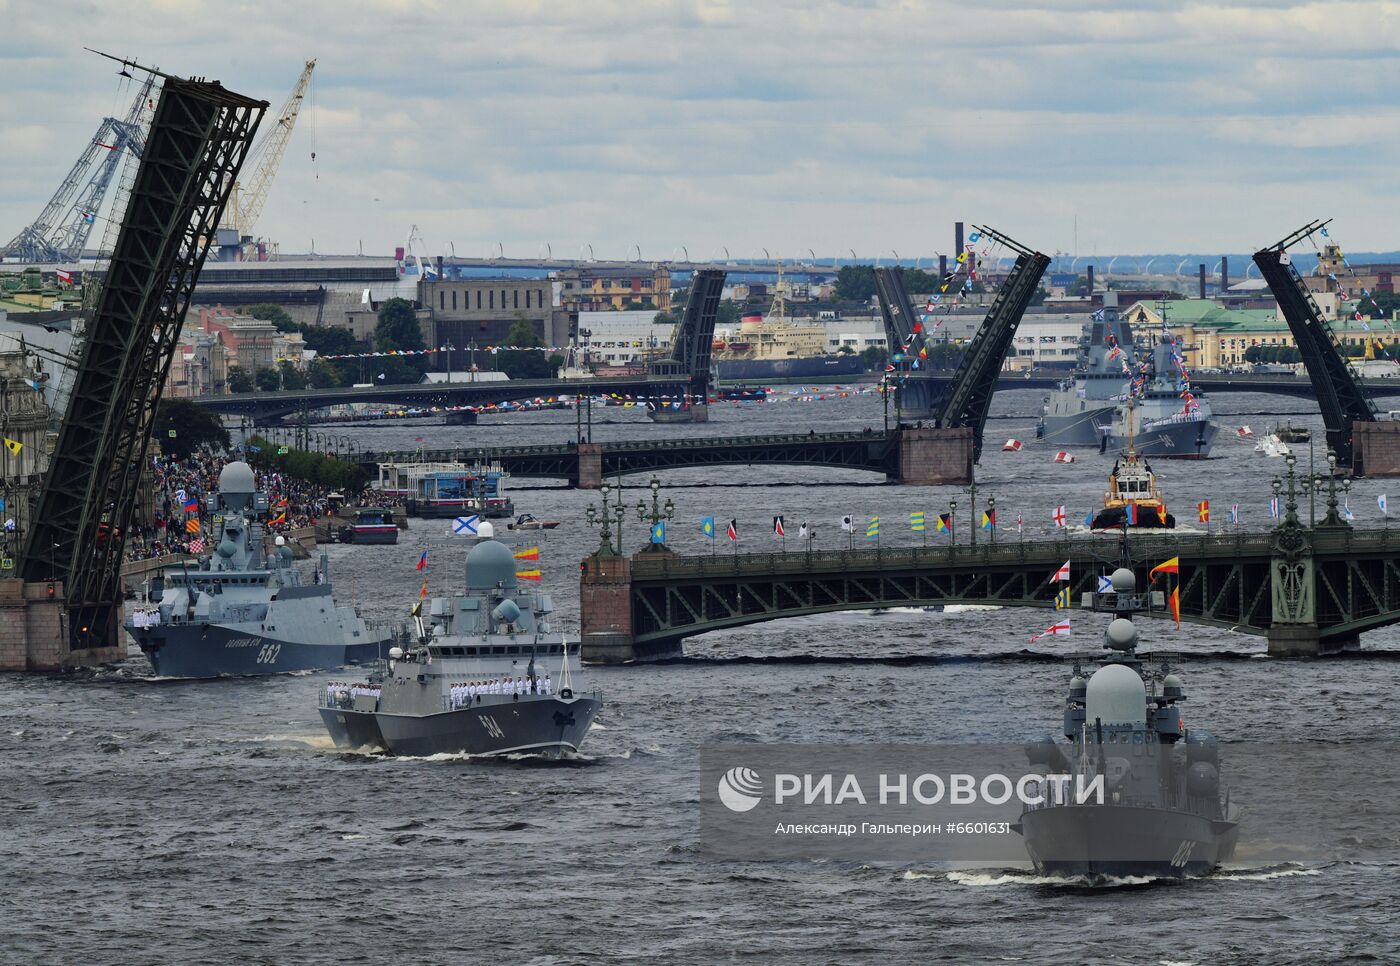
<point x="680" y="385"/>
<point x="1339" y="393"/>
<point x="198" y="138"/>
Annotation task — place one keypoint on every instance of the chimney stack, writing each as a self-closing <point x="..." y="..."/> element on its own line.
<point x="1203" y="280"/>
<point x="1224" y="273"/>
<point x="1090" y="278"/>
<point x="957" y="238"/>
<point x="439" y="267"/>
<point x="942" y="266"/>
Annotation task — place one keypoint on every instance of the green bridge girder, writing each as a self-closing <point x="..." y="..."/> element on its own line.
<point x="876" y="451"/>
<point x="1350" y="582"/>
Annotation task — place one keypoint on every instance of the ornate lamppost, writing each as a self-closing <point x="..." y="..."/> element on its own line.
<point x="655" y="516"/>
<point x="604" y="519"/>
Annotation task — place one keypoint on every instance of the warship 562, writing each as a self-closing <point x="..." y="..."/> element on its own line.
<point x="1162" y="812"/>
<point x="1162" y="414"/>
<point x="237" y="612"/>
<point x="1079" y="410"/>
<point x="477" y="681"/>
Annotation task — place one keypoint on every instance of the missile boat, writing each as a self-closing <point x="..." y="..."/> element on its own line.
<point x="1161" y="810"/>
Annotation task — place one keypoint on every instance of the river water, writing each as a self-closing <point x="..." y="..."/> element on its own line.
<point x="212" y="822"/>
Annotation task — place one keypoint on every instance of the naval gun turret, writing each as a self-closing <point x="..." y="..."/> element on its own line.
<point x="1160" y="810"/>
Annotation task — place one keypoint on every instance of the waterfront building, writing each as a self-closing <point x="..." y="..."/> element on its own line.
<point x="479" y="312"/>
<point x="601" y="289"/>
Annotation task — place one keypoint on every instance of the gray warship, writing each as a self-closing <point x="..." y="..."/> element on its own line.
<point x="1165" y="417"/>
<point x="239" y="612"/>
<point x="1163" y="813"/>
<point x="1079" y="410"/>
<point x="479" y="680"/>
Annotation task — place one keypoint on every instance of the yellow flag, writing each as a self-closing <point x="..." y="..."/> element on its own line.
<point x="13" y="445"/>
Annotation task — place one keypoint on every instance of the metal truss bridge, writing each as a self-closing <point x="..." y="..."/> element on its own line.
<point x="1308" y="590"/>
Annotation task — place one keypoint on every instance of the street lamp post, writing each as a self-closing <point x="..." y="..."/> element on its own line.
<point x="604" y="519"/>
<point x="952" y="523"/>
<point x="657" y="514"/>
<point x="992" y="516"/>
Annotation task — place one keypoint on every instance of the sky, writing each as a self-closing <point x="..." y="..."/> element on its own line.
<point x="838" y="128"/>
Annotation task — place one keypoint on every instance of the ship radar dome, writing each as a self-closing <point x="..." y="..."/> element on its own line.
<point x="1123" y="581"/>
<point x="1116" y="696"/>
<point x="485" y="530"/>
<point x="490" y="563"/>
<point x="236" y="477"/>
<point x="1121" y="635"/>
<point x="1172" y="687"/>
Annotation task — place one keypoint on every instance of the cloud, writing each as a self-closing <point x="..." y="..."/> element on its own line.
<point x="785" y="124"/>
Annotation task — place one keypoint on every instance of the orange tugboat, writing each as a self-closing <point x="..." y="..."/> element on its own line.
<point x="1133" y="498"/>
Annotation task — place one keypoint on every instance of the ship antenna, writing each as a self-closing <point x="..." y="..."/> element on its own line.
<point x="566" y="681"/>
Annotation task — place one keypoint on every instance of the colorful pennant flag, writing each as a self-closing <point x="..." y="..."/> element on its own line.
<point x="532" y="574"/>
<point x="466" y="525"/>
<point x="1162" y="513"/>
<point x="1105" y="584"/>
<point x="1175" y="601"/>
<point x="1203" y="511"/>
<point x="529" y="553"/>
<point x="989" y="519"/>
<point x="916" y="521"/>
<point x="1059" y="515"/>
<point x="1062" y="599"/>
<point x="1172" y="566"/>
<point x="13" y="445"/>
<point x="707" y="526"/>
<point x="423" y="591"/>
<point x="1061" y="574"/>
<point x="945" y="523"/>
<point x="1380" y="502"/>
<point x="658" y="532"/>
<point x="778" y="530"/>
<point x="733" y="532"/>
<point x="280" y="518"/>
<point x="1273" y="507"/>
<point x="422" y="560"/>
<point x="192" y="525"/>
<point x="1132" y="516"/>
<point x="872" y="529"/>
<point x="192" y="506"/>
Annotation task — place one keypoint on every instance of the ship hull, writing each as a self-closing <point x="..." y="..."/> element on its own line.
<point x="816" y="368"/>
<point x="1085" y="428"/>
<point x="550" y="725"/>
<point x="372" y="535"/>
<point x="1185" y="440"/>
<point x="214" y="650"/>
<point x="1100" y="841"/>
<point x="1148" y="519"/>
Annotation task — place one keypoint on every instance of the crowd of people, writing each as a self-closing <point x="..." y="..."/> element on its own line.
<point x="341" y="694"/>
<point x="471" y="692"/>
<point x="183" y="491"/>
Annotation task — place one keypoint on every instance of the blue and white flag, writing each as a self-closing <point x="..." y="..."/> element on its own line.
<point x="658" y="532"/>
<point x="1346" y="512"/>
<point x="1380" y="502"/>
<point x="1105" y="584"/>
<point x="1089" y="518"/>
<point x="180" y="495"/>
<point x="465" y="525"/>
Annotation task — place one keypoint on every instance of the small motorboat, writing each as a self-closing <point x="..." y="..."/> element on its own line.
<point x="527" y="521"/>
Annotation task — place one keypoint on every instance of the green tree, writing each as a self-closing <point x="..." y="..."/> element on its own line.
<point x="292" y="377"/>
<point x="195" y="428"/>
<point x="275" y="314"/>
<point x="522" y="332"/>
<point x="240" y="380"/>
<point x="331" y="341"/>
<point x="324" y="375"/>
<point x="664" y="318"/>
<point x="1254" y="353"/>
<point x="727" y="315"/>
<point x="398" y="327"/>
<point x="855" y="283"/>
<point x="267" y="379"/>
<point x="875" y="356"/>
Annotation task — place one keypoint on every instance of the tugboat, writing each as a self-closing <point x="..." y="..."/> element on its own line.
<point x="1161" y="812"/>
<point x="477" y="681"/>
<point x="373" y="525"/>
<point x="238" y="612"/>
<point x="1133" y="498"/>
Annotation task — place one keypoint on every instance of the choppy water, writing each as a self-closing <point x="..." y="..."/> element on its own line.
<point x="162" y="821"/>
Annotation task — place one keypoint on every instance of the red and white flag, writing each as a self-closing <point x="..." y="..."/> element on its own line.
<point x="1057" y="629"/>
<point x="1244" y="432"/>
<point x="1011" y="446"/>
<point x="733" y="532"/>
<point x="1061" y="574"/>
<point x="1059" y="515"/>
<point x="1063" y="457"/>
<point x="65" y="277"/>
<point x="778" y="530"/>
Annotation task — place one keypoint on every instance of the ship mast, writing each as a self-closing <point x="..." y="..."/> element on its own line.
<point x="778" y="310"/>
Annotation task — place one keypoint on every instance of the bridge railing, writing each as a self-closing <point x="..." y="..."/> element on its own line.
<point x="1144" y="548"/>
<point x="676" y="443"/>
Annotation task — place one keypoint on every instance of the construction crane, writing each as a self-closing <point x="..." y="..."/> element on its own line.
<point x="248" y="200"/>
<point x="61" y="231"/>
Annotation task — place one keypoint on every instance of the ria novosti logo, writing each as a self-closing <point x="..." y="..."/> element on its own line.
<point x="740" y="789"/>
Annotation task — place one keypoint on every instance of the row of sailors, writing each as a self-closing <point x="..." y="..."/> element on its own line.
<point x="145" y="618"/>
<point x="472" y="691"/>
<point x="339" y="691"/>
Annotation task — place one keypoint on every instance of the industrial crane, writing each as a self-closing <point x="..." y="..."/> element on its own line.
<point x="61" y="231"/>
<point x="247" y="202"/>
